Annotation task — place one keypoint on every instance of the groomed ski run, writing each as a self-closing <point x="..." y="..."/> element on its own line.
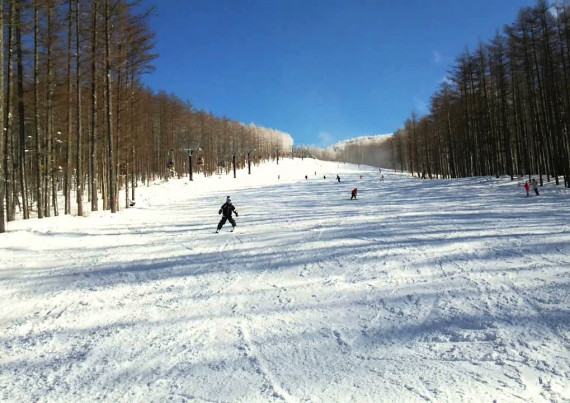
<point x="421" y="290"/>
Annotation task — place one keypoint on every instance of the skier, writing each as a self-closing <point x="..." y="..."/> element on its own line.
<point x="382" y="178"/>
<point x="535" y="186"/>
<point x="353" y="194"/>
<point x="527" y="188"/>
<point x="338" y="178"/>
<point x="226" y="211"/>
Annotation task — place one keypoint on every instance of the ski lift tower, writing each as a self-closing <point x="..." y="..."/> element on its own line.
<point x="249" y="162"/>
<point x="190" y="151"/>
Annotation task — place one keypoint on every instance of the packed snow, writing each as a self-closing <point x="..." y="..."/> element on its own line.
<point x="418" y="290"/>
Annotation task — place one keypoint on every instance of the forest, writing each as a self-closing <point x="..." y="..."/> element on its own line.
<point x="504" y="109"/>
<point x="79" y="125"/>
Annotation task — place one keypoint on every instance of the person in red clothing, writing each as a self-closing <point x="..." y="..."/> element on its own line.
<point x="353" y="194"/>
<point x="527" y="188"/>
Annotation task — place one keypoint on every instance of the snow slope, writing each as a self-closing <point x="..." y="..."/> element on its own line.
<point x="429" y="290"/>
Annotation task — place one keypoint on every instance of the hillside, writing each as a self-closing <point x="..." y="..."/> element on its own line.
<point x="418" y="290"/>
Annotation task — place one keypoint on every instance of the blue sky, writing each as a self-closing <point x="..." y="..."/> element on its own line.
<point x="320" y="70"/>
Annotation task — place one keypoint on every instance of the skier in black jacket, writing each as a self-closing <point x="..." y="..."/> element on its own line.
<point x="226" y="211"/>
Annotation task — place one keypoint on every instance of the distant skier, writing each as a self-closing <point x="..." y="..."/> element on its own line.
<point x="353" y="194"/>
<point x="226" y="211"/>
<point x="535" y="186"/>
<point x="306" y="177"/>
<point x="527" y="188"/>
<point x="338" y="178"/>
<point x="382" y="178"/>
<point x="324" y="176"/>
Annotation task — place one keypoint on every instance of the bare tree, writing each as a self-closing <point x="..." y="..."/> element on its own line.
<point x="50" y="184"/>
<point x="9" y="191"/>
<point x="2" y="172"/>
<point x="21" y="118"/>
<point x="93" y="171"/>
<point x="109" y="109"/>
<point x="78" y="121"/>
<point x="37" y="125"/>
<point x="67" y="172"/>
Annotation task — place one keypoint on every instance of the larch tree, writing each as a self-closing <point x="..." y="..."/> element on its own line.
<point x="21" y="160"/>
<point x="2" y="148"/>
<point x="93" y="132"/>
<point x="9" y="178"/>
<point x="69" y="79"/>
<point x="78" y="118"/>
<point x="109" y="109"/>
<point x="37" y="123"/>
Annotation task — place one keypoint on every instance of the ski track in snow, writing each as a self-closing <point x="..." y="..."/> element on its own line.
<point x="433" y="290"/>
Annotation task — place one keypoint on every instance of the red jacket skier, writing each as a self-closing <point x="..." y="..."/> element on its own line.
<point x="353" y="194"/>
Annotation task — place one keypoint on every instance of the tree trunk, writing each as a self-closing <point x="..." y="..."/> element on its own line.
<point x="109" y="109"/>
<point x="67" y="171"/>
<point x="37" y="125"/>
<point x="49" y="158"/>
<point x="21" y="118"/>
<point x="8" y="152"/>
<point x="78" y="127"/>
<point x="93" y="135"/>
<point x="2" y="148"/>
